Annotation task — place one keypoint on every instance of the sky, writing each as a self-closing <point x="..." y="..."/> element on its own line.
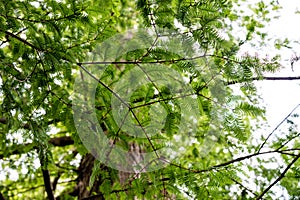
<point x="280" y="97"/>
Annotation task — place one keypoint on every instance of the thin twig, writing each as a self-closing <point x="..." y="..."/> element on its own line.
<point x="228" y="162"/>
<point x="279" y="178"/>
<point x="277" y="128"/>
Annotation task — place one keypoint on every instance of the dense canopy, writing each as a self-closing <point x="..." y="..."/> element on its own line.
<point x="145" y="99"/>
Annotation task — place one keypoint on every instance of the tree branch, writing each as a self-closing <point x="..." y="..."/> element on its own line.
<point x="43" y="20"/>
<point x="283" y="78"/>
<point x="279" y="178"/>
<point x="24" y="148"/>
<point x="61" y="141"/>
<point x="265" y="141"/>
<point x="21" y="40"/>
<point x="2" y="197"/>
<point x="48" y="185"/>
<point x="99" y="196"/>
<point x="55" y="181"/>
<point x="3" y="120"/>
<point x="231" y="161"/>
<point x="244" y="187"/>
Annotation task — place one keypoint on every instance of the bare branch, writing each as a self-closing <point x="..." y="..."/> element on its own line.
<point x="288" y="78"/>
<point x="277" y="127"/>
<point x="231" y="161"/>
<point x="244" y="187"/>
<point x="48" y="185"/>
<point x="279" y="178"/>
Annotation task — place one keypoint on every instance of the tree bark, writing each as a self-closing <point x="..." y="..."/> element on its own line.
<point x="84" y="173"/>
<point x="48" y="185"/>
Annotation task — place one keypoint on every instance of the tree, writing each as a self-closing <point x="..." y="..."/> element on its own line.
<point x="164" y="97"/>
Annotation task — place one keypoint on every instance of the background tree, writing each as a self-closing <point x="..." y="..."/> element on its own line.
<point x="44" y="45"/>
